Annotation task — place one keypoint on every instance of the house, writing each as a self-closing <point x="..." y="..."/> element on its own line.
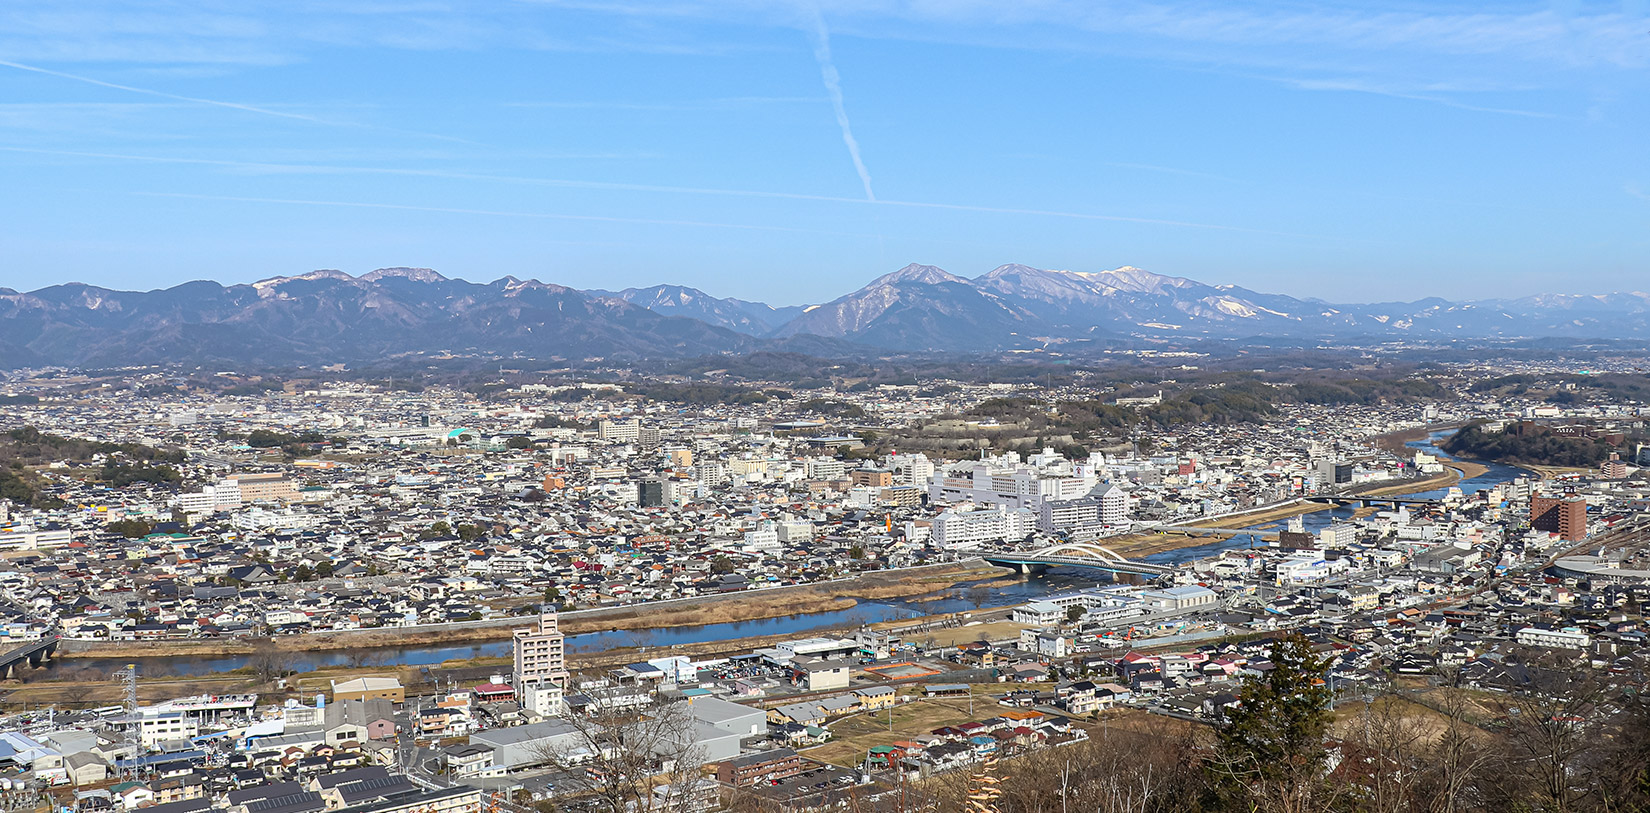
<point x="359" y="785"/>
<point x="359" y="721"/>
<point x="470" y="760"/>
<point x="765" y="768"/>
<point x="820" y="674"/>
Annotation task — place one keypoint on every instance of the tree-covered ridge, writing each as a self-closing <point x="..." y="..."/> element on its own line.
<point x="1527" y="443"/>
<point x="122" y="464"/>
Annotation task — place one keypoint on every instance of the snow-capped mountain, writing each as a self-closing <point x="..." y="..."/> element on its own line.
<point x="332" y="316"/>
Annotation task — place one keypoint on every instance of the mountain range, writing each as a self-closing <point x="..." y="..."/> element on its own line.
<point x="330" y="316"/>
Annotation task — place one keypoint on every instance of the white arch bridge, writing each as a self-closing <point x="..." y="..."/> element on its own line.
<point x="1074" y="554"/>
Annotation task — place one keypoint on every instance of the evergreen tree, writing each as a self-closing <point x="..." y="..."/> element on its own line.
<point x="1269" y="756"/>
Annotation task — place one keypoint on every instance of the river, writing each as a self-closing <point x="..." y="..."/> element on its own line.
<point x="954" y="599"/>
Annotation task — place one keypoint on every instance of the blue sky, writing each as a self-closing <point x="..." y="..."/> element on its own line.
<point x="791" y="151"/>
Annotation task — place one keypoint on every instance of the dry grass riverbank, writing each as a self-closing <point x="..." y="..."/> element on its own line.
<point x="775" y="602"/>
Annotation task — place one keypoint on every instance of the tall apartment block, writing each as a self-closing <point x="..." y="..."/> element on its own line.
<point x="540" y="655"/>
<point x="1565" y="516"/>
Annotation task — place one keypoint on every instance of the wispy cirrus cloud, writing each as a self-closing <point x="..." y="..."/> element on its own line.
<point x="685" y="105"/>
<point x="458" y="210"/>
<point x="274" y="168"/>
<point x="236" y="106"/>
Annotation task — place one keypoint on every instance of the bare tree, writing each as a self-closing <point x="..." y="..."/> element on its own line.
<point x="1455" y="758"/>
<point x="266" y="662"/>
<point x="1548" y="750"/>
<point x="614" y="753"/>
<point x="1382" y="755"/>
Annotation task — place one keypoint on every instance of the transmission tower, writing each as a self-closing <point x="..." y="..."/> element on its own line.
<point x="128" y="680"/>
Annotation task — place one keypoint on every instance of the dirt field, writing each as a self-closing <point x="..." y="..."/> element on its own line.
<point x="992" y="631"/>
<point x="86" y="694"/>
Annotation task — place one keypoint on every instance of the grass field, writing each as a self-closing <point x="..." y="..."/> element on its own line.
<point x="854" y="735"/>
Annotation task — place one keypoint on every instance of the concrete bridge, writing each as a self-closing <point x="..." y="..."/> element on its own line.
<point x="1074" y="554"/>
<point x="33" y="653"/>
<point x="1216" y="533"/>
<point x="1366" y="502"/>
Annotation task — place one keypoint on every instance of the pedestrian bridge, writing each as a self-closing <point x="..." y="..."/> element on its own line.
<point x="33" y="653"/>
<point x="1074" y="554"/>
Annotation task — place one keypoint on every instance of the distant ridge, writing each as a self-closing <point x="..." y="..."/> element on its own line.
<point x="328" y="315"/>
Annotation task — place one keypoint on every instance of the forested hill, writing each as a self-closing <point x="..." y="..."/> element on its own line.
<point x="1527" y="443"/>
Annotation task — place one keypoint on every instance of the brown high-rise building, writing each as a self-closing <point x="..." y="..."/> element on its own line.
<point x="1565" y="516"/>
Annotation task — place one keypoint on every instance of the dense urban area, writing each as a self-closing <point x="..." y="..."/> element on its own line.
<point x="1374" y="588"/>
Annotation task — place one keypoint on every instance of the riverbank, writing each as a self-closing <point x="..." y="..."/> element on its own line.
<point x="750" y="605"/>
<point x="1398" y="442"/>
<point x="1134" y="546"/>
<point x="1549" y="472"/>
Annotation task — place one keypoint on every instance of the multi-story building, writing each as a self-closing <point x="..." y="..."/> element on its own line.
<point x="1565" y="516"/>
<point x="969" y="529"/>
<point x="1105" y="505"/>
<point x="540" y="654"/>
<point x="1567" y="638"/>
<point x="825" y="468"/>
<point x="911" y="469"/>
<point x="263" y="488"/>
<point x="875" y="478"/>
<point x="1022" y="487"/>
<point x="630" y="430"/>
<point x="765" y="768"/>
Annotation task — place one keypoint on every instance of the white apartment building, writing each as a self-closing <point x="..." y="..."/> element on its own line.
<point x="540" y="655"/>
<point x="1105" y="505"/>
<point x="154" y="729"/>
<point x="22" y="539"/>
<point x="961" y="530"/>
<point x="826" y="468"/>
<point x="710" y="473"/>
<point x="1566" y="638"/>
<point x="1018" y="488"/>
<point x="764" y="538"/>
<point x="628" y="431"/>
<point x="911" y="469"/>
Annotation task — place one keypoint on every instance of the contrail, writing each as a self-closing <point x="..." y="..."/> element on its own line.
<point x="164" y="95"/>
<point x="216" y="103"/>
<point x="833" y="87"/>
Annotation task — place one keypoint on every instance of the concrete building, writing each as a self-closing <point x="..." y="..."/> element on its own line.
<point x="535" y="744"/>
<point x="1565" y="516"/>
<point x="540" y="655"/>
<point x="1020" y="488"/>
<point x="763" y="768"/>
<point x="1567" y="638"/>
<point x="630" y="430"/>
<point x="960" y="530"/>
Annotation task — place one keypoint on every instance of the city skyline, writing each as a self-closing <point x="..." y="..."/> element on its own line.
<point x="787" y="153"/>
